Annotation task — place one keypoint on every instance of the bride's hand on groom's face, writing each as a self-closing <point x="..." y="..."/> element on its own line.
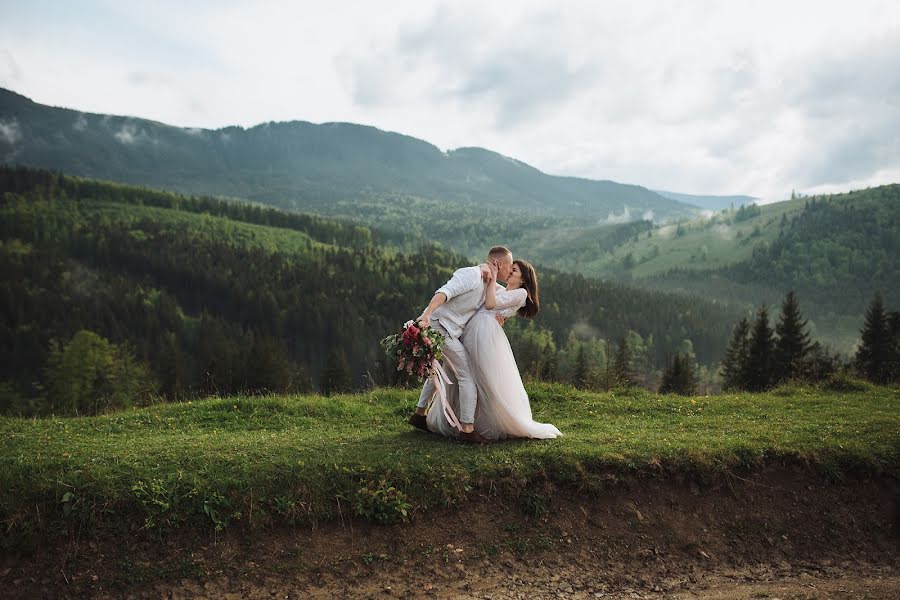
<point x="489" y="272"/>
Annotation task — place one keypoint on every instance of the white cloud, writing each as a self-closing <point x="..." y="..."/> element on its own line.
<point x="723" y="231"/>
<point x="127" y="134"/>
<point x="10" y="132"/>
<point x="625" y="217"/>
<point x="700" y="97"/>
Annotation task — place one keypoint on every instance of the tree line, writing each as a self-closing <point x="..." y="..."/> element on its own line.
<point x="759" y="356"/>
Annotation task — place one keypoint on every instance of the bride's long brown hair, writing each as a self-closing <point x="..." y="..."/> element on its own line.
<point x="530" y="285"/>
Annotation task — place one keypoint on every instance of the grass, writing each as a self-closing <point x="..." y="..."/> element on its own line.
<point x="245" y="461"/>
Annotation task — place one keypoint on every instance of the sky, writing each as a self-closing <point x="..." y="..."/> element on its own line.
<point x="702" y="97"/>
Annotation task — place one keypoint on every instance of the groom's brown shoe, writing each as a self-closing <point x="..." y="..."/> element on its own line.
<point x="418" y="421"/>
<point x="473" y="437"/>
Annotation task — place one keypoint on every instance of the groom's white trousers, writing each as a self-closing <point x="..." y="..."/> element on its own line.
<point x="456" y="363"/>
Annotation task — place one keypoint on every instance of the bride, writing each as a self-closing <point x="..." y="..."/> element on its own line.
<point x="502" y="410"/>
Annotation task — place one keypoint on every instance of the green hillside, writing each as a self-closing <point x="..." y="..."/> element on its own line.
<point x="221" y="297"/>
<point x="835" y="251"/>
<point x="406" y="193"/>
<point x="462" y="199"/>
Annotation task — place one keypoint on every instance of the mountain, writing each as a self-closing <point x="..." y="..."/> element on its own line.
<point x="709" y="202"/>
<point x="384" y="179"/>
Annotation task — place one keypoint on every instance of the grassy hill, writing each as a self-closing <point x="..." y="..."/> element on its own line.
<point x="250" y="462"/>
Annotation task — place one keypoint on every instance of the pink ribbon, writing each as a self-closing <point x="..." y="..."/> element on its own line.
<point x="439" y="377"/>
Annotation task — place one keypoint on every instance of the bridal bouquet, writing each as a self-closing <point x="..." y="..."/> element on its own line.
<point x="416" y="350"/>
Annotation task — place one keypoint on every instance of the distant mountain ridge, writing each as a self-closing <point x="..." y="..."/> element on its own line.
<point x="331" y="168"/>
<point x="709" y="202"/>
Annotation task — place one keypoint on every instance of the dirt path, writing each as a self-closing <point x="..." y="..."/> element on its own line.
<point x="539" y="580"/>
<point x="779" y="534"/>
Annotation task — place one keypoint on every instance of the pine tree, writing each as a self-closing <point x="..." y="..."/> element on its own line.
<point x="678" y="378"/>
<point x="874" y="353"/>
<point x="549" y="364"/>
<point x="268" y="367"/>
<point x="581" y="376"/>
<point x="894" y="356"/>
<point x="735" y="368"/>
<point x="793" y="340"/>
<point x="622" y="364"/>
<point x="761" y="353"/>
<point x="335" y="376"/>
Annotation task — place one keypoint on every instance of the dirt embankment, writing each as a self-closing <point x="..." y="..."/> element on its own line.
<point x="782" y="533"/>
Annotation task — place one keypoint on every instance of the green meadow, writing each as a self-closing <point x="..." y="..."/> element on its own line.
<point x="255" y="461"/>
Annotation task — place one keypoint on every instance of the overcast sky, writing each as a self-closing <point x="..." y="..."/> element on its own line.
<point x="721" y="97"/>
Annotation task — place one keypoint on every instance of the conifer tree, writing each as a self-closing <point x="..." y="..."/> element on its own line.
<point x="735" y="365"/>
<point x="549" y="364"/>
<point x="268" y="368"/>
<point x="761" y="353"/>
<point x="678" y="377"/>
<point x="874" y="353"/>
<point x="793" y="340"/>
<point x="335" y="376"/>
<point x="894" y="356"/>
<point x="581" y="375"/>
<point x="622" y="364"/>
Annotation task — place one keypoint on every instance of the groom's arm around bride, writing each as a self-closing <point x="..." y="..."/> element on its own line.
<point x="451" y="307"/>
<point x="463" y="281"/>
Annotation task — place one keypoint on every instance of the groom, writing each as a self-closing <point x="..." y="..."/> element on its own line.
<point x="448" y="312"/>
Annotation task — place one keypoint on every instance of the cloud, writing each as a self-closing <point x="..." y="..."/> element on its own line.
<point x="128" y="134"/>
<point x="697" y="97"/>
<point x="723" y="231"/>
<point x="148" y="78"/>
<point x="585" y="331"/>
<point x="459" y="58"/>
<point x="10" y="72"/>
<point x="10" y="132"/>
<point x="80" y="123"/>
<point x="851" y="104"/>
<point x="625" y="217"/>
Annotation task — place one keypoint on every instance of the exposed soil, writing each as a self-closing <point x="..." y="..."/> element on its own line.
<point x="782" y="533"/>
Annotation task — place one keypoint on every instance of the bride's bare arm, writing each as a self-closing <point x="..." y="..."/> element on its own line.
<point x="490" y="294"/>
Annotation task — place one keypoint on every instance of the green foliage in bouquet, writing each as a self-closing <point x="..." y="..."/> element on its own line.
<point x="415" y="349"/>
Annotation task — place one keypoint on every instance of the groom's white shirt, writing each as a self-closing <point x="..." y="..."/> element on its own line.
<point x="465" y="295"/>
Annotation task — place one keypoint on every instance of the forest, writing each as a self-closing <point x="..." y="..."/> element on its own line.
<point x="210" y="296"/>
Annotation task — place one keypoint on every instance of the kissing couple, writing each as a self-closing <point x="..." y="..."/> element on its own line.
<point x="488" y="395"/>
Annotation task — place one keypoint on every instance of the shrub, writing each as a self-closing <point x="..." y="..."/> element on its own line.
<point x="382" y="502"/>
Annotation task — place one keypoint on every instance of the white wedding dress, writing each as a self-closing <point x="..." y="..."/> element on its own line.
<point x="502" y="410"/>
